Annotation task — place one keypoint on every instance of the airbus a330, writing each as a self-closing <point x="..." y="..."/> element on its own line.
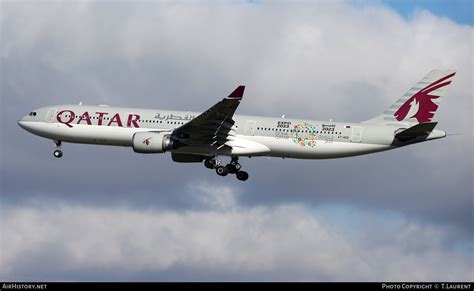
<point x="193" y="137"/>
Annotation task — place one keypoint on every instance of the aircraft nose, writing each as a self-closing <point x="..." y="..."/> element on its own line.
<point x="25" y="124"/>
<point x="21" y="123"/>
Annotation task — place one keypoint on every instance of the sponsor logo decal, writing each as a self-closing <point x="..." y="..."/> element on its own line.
<point x="328" y="127"/>
<point x="304" y="134"/>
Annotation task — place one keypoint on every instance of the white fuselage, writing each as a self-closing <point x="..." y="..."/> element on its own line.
<point x="250" y="136"/>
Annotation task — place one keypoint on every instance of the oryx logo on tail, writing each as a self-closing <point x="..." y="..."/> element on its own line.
<point x="421" y="105"/>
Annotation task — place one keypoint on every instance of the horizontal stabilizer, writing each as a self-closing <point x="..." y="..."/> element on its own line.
<point x="419" y="130"/>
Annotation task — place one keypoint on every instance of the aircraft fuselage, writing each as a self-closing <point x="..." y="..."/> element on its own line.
<point x="278" y="137"/>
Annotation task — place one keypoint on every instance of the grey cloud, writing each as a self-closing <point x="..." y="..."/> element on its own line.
<point x="262" y="243"/>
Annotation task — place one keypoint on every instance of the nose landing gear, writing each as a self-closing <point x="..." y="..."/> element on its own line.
<point x="58" y="153"/>
<point x="232" y="168"/>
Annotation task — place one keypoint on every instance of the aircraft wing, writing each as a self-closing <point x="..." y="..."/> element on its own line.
<point x="213" y="126"/>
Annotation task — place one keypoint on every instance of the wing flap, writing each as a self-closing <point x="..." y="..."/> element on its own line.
<point x="241" y="146"/>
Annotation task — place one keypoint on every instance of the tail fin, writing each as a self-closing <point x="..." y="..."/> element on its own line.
<point x="420" y="103"/>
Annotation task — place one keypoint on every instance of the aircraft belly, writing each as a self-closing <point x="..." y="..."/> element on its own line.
<point x="238" y="146"/>
<point x="280" y="147"/>
<point x="90" y="134"/>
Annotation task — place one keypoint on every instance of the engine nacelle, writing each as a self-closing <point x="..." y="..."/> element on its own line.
<point x="152" y="142"/>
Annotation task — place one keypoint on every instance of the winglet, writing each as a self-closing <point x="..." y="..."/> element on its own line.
<point x="237" y="93"/>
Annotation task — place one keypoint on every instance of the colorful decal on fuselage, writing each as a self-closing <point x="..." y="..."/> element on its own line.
<point x="304" y="134"/>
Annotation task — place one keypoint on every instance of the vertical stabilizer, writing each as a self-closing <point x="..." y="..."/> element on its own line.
<point x="420" y="103"/>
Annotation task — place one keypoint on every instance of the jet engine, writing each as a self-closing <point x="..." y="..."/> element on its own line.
<point x="152" y="142"/>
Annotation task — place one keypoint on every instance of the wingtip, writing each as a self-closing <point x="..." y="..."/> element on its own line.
<point x="238" y="93"/>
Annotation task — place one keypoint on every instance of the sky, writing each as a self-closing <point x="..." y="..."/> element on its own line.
<point x="108" y="214"/>
<point x="460" y="11"/>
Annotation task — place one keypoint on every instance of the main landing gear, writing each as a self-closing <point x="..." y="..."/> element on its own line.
<point x="232" y="168"/>
<point x="58" y="153"/>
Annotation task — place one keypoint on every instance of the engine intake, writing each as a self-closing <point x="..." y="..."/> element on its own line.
<point x="152" y="142"/>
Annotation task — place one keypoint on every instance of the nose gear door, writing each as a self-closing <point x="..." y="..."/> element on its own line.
<point x="51" y="114"/>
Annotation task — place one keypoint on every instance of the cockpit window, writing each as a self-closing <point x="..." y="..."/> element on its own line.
<point x="32" y="113"/>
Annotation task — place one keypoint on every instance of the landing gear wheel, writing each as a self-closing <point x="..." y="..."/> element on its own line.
<point x="242" y="175"/>
<point x="209" y="163"/>
<point x="58" y="153"/>
<point x="222" y="171"/>
<point x="234" y="165"/>
<point x="232" y="169"/>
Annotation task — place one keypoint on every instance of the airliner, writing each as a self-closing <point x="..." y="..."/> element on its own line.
<point x="196" y="137"/>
